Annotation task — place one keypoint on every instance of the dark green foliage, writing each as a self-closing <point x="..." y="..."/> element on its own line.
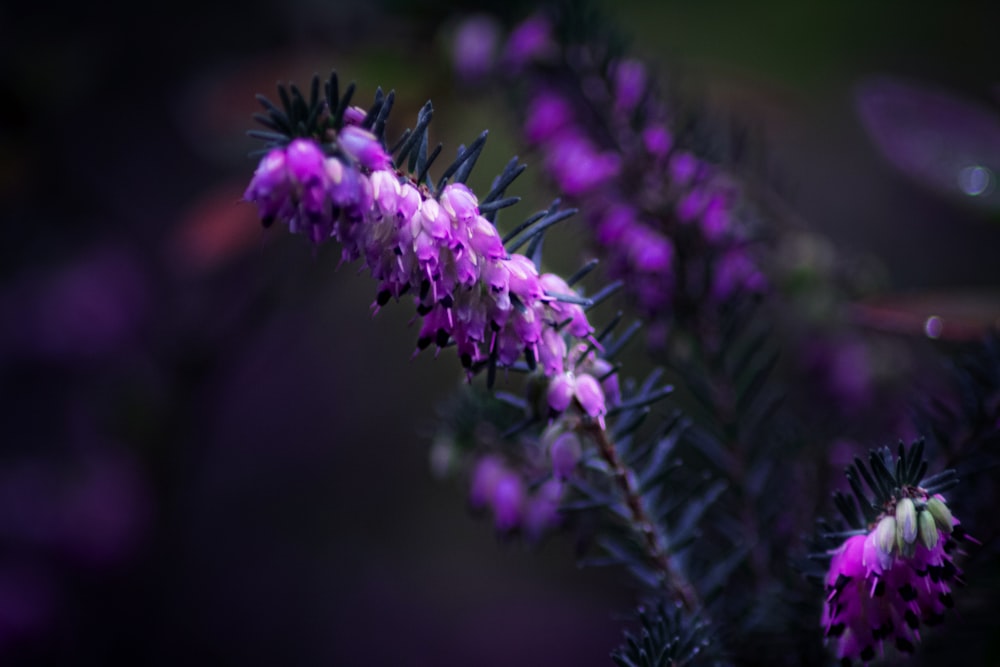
<point x="667" y="637"/>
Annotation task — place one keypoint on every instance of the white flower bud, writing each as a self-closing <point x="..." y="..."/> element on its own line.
<point x="906" y="521"/>
<point x="942" y="515"/>
<point x="928" y="529"/>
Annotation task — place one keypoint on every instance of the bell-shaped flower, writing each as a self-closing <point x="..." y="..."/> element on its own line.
<point x="364" y="147"/>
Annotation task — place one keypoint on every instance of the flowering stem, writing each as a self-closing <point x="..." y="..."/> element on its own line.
<point x="676" y="583"/>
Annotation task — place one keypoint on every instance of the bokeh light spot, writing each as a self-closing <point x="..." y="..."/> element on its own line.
<point x="933" y="326"/>
<point x="975" y="180"/>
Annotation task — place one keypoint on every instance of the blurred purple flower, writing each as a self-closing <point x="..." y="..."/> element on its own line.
<point x="474" y="49"/>
<point x="530" y="40"/>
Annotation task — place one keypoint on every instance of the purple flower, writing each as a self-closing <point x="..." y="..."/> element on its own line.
<point x="485" y="475"/>
<point x="548" y="114"/>
<point x="882" y="586"/>
<point x="270" y="187"/>
<point x="460" y="203"/>
<point x="657" y="140"/>
<point x="292" y="184"/>
<point x="474" y="47"/>
<point x="468" y="290"/>
<point x="364" y="147"/>
<point x="354" y="115"/>
<point x="484" y="239"/>
<point x="508" y="501"/>
<point x="551" y="351"/>
<point x="582" y="388"/>
<point x="590" y="395"/>
<point x="577" y="165"/>
<point x="715" y="218"/>
<point x="531" y="40"/>
<point x="683" y="168"/>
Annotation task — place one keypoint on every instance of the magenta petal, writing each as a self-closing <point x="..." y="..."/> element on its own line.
<point x="590" y="395"/>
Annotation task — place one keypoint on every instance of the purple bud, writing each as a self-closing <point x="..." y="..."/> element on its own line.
<point x="508" y="501"/>
<point x="551" y="351"/>
<point x="547" y="114"/>
<point x="354" y="115"/>
<point x="590" y="395"/>
<point x="304" y="159"/>
<point x="561" y="390"/>
<point x="270" y="187"/>
<point x="530" y="40"/>
<point x="409" y="202"/>
<point x="385" y="191"/>
<point x="484" y="239"/>
<point x="577" y="166"/>
<point x="523" y="280"/>
<point x="683" y="167"/>
<point x="466" y="267"/>
<point x="364" y="147"/>
<point x="657" y="140"/>
<point x="496" y="275"/>
<point x="715" y="221"/>
<point x="691" y="205"/>
<point x="565" y="453"/>
<point x="487" y="472"/>
<point x="527" y="326"/>
<point x="650" y="252"/>
<point x="459" y="202"/>
<point x="475" y="46"/>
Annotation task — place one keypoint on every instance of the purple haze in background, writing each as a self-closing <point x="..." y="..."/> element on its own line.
<point x="945" y="142"/>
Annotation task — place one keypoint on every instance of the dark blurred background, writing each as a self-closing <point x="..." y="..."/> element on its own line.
<point x="212" y="454"/>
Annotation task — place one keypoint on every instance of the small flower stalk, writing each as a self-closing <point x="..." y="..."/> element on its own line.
<point x="894" y="576"/>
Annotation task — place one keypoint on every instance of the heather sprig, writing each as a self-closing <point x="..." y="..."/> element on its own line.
<point x="672" y="223"/>
<point x="475" y="292"/>
<point x="894" y="572"/>
<point x="436" y="243"/>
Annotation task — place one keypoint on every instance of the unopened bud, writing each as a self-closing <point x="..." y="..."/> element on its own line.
<point x="928" y="529"/>
<point x="942" y="515"/>
<point x="561" y="391"/>
<point x="906" y="522"/>
<point x="885" y="535"/>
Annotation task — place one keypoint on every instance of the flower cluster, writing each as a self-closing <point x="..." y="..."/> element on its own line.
<point x="881" y="588"/>
<point x="515" y="503"/>
<point x="669" y="219"/>
<point x="492" y="305"/>
<point x="885" y="582"/>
